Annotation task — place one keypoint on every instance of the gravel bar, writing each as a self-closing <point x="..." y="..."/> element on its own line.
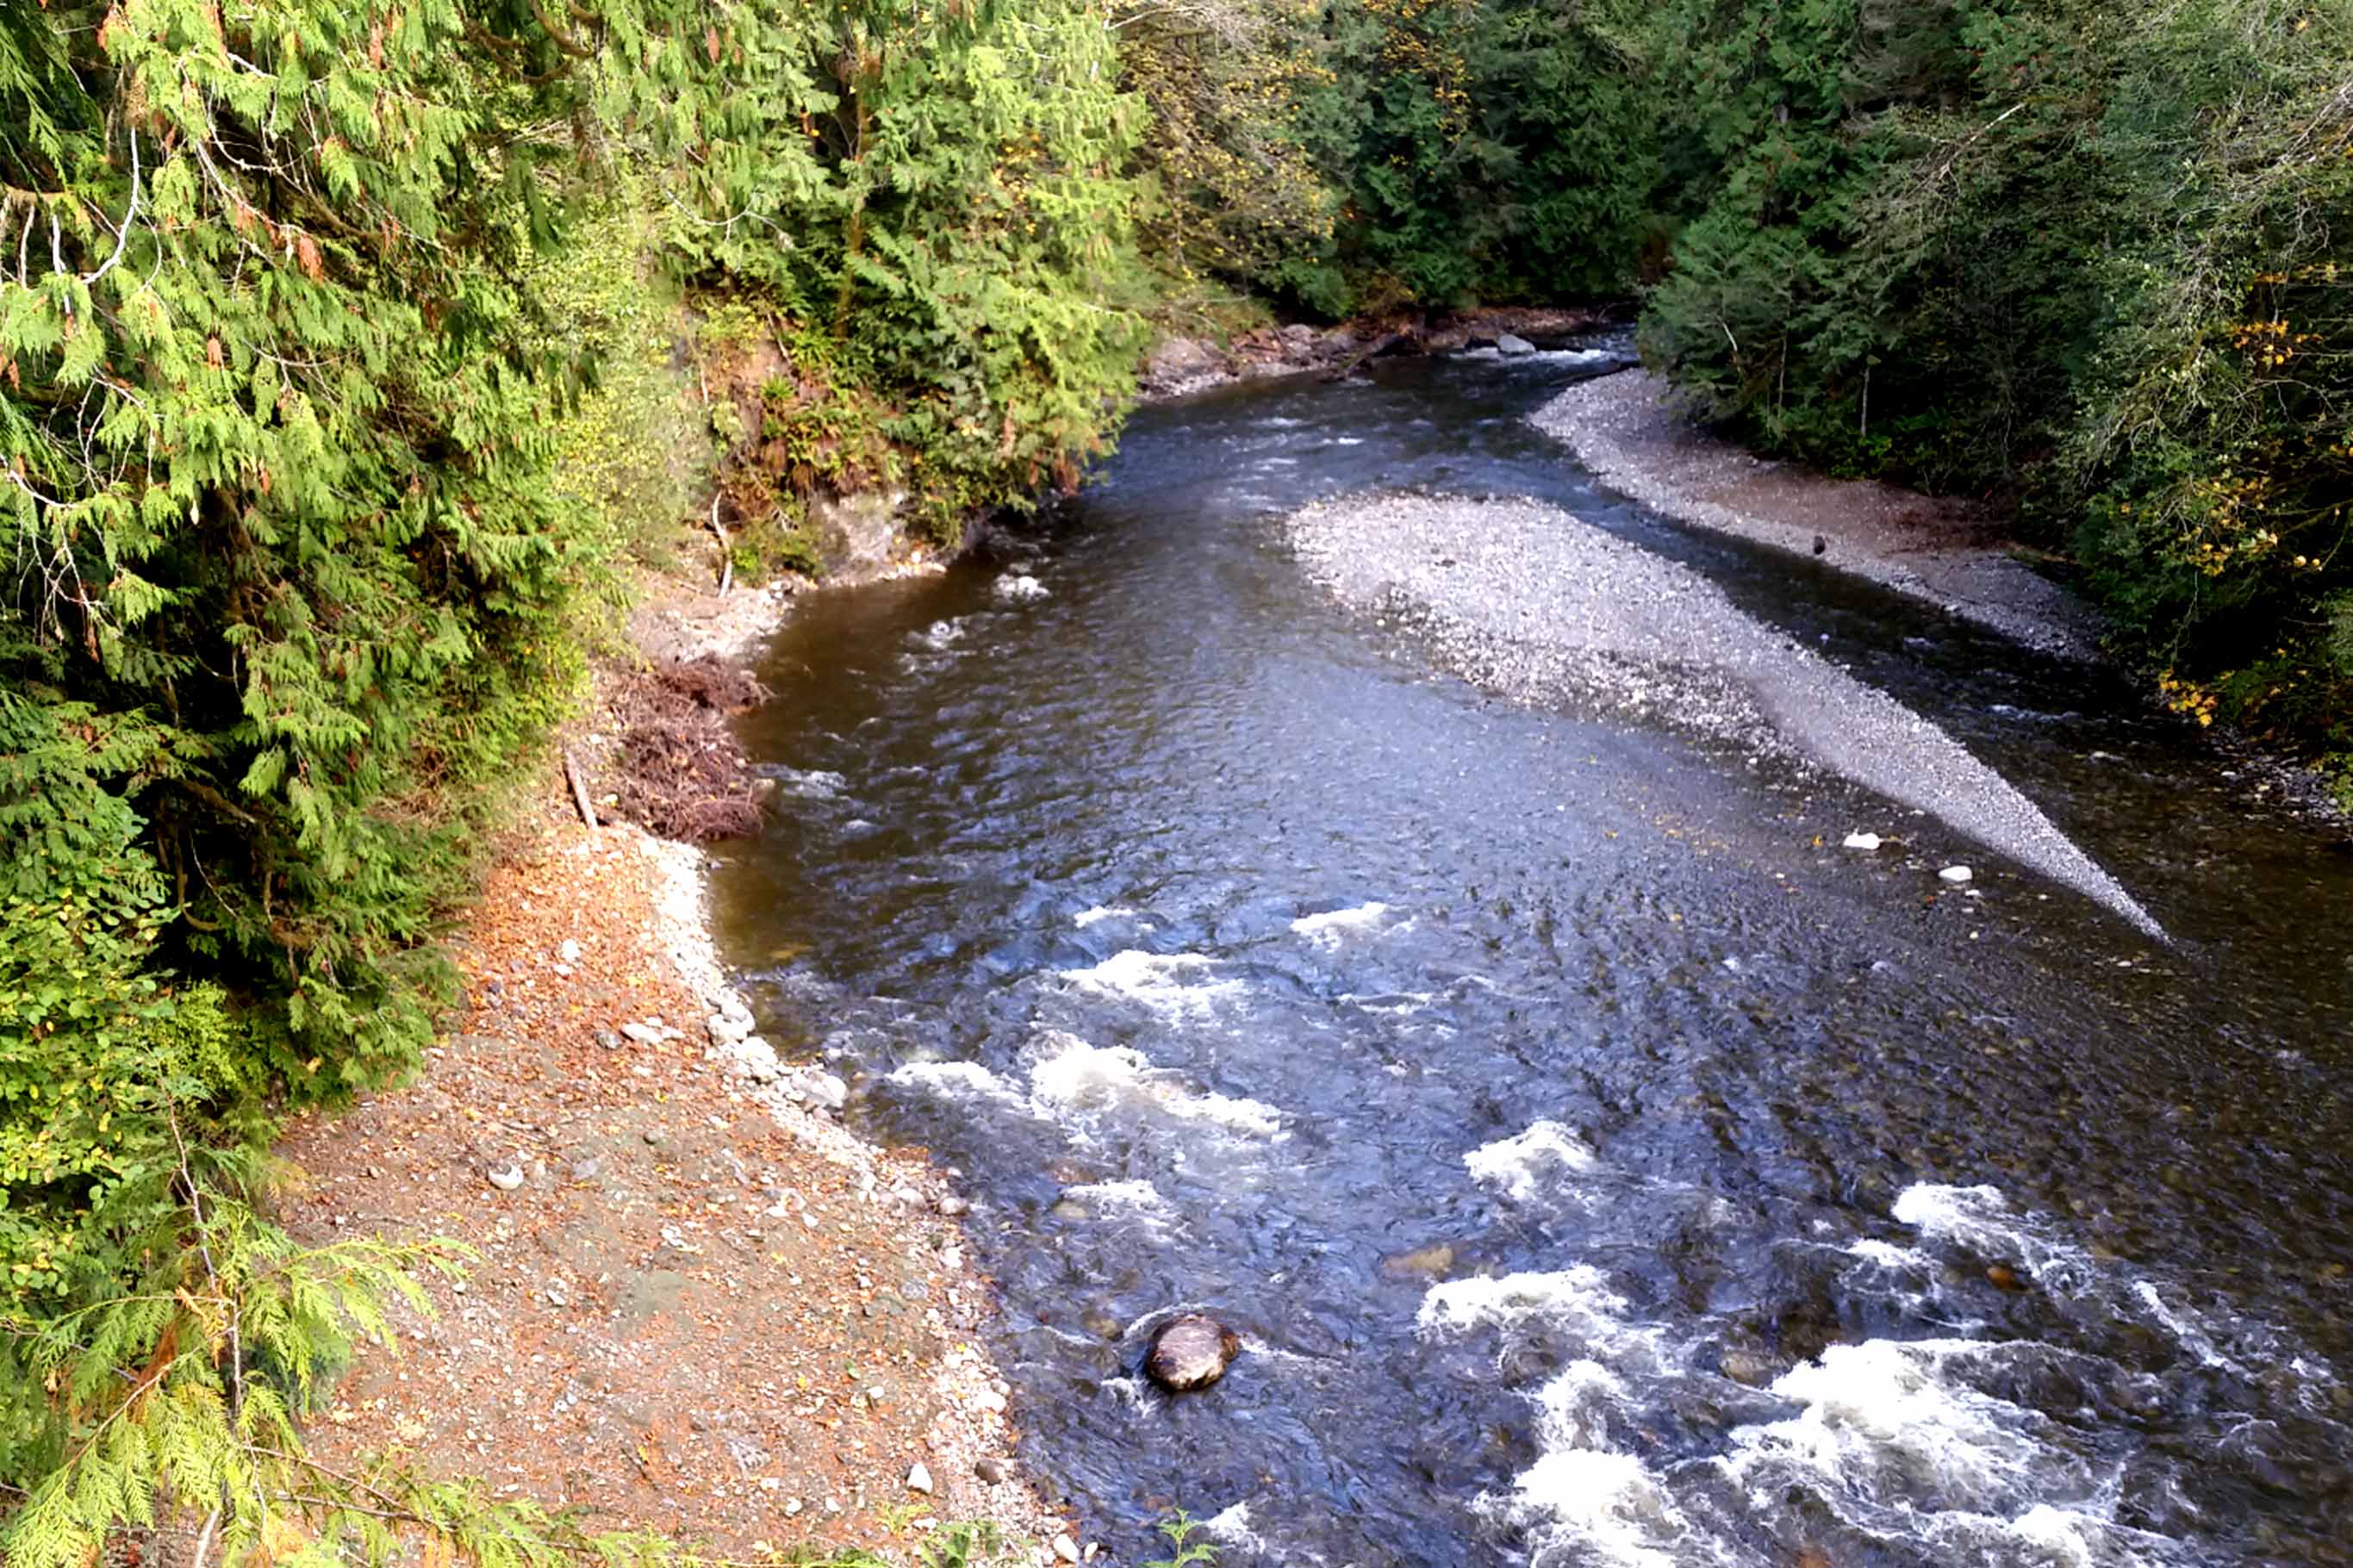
<point x="1524" y="600"/>
<point x="1628" y="430"/>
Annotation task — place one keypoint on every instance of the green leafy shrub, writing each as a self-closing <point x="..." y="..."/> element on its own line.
<point x="277" y="455"/>
<point x="1487" y="151"/>
<point x="2092" y="257"/>
<point x="937" y="193"/>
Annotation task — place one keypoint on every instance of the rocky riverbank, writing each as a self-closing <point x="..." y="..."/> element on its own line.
<point x="1181" y="366"/>
<point x="699" y="1304"/>
<point x="1630" y="431"/>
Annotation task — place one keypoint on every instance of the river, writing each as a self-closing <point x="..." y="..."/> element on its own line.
<point x="1602" y="1165"/>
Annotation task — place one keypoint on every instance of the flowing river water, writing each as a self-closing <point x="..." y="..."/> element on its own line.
<point x="1602" y="1165"/>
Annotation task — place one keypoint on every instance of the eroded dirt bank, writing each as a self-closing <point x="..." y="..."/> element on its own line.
<point x="700" y="1304"/>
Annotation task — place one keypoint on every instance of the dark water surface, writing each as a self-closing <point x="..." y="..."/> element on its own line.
<point x="1602" y="1165"/>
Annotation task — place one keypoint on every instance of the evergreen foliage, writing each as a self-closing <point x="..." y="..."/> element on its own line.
<point x="1234" y="195"/>
<point x="2090" y="256"/>
<point x="310" y="470"/>
<point x="1487" y="151"/>
<point x="929" y="201"/>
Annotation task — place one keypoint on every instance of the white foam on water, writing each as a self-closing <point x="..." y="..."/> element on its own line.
<point x="814" y="783"/>
<point x="1139" y="1195"/>
<point x="1233" y="1527"/>
<point x="2061" y="1533"/>
<point x="1068" y="1074"/>
<point x="1019" y="588"/>
<point x="955" y="1081"/>
<point x="1888" y="1255"/>
<point x="1980" y="1219"/>
<point x="941" y="636"/>
<point x="1897" y="1439"/>
<point x="1130" y="1392"/>
<point x="1578" y="1301"/>
<point x="1393" y="1004"/>
<point x="1158" y="981"/>
<point x="1581" y="1502"/>
<point x="2189" y="1336"/>
<point x="1517" y="1165"/>
<point x="1086" y="918"/>
<point x="1887" y="1421"/>
<point x="1138" y="1201"/>
<point x="1330" y="928"/>
<point x="1593" y="1506"/>
<point x="1254" y="1346"/>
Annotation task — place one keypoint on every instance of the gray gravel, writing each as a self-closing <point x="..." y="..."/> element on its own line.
<point x="1629" y="431"/>
<point x="1524" y="600"/>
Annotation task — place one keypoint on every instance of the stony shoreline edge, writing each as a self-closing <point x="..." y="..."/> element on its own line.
<point x="730" y="1291"/>
<point x="1626" y="428"/>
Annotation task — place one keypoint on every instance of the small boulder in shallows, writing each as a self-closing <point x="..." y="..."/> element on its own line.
<point x="1191" y="1352"/>
<point x="756" y="1060"/>
<point x="1512" y="344"/>
<point x="1955" y="875"/>
<point x="1860" y="841"/>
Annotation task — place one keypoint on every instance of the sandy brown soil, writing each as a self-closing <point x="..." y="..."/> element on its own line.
<point x="705" y="1306"/>
<point x="1629" y="430"/>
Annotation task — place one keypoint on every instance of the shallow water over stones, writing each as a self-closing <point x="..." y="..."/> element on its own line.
<point x="1598" y="1162"/>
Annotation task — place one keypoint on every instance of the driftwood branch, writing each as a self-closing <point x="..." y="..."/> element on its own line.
<point x="579" y="789"/>
<point x="726" y="551"/>
<point x="1343" y="371"/>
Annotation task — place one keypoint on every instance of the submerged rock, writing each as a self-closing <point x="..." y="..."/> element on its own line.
<point x="1191" y="1352"/>
<point x="1432" y="1262"/>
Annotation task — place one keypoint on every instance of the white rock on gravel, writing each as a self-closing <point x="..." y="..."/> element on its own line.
<point x="1955" y="875"/>
<point x="822" y="1088"/>
<point x="919" y="1479"/>
<point x="1861" y="841"/>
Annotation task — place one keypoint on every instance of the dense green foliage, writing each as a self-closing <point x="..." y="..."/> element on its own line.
<point x="1364" y="155"/>
<point x="327" y="380"/>
<point x="1487" y="150"/>
<point x="2091" y="256"/>
<point x="929" y="202"/>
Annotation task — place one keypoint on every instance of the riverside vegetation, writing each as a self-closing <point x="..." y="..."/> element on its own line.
<point x="339" y="352"/>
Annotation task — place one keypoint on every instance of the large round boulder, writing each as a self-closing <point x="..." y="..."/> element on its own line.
<point x="1191" y="1352"/>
